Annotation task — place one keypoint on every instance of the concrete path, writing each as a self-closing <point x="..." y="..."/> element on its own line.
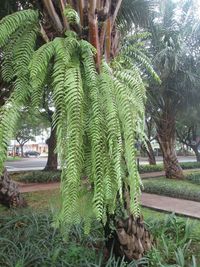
<point x="26" y="188"/>
<point x="179" y="206"/>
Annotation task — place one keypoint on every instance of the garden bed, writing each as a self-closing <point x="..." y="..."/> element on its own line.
<point x="28" y="239"/>
<point x="36" y="176"/>
<point x="183" y="189"/>
<point x="159" y="167"/>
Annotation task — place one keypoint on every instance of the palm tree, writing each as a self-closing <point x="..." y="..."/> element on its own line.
<point x="98" y="108"/>
<point x="174" y="57"/>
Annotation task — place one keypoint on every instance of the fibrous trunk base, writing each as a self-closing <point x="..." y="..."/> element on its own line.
<point x="9" y="192"/>
<point x="131" y="240"/>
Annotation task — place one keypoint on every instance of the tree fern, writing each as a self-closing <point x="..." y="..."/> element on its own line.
<point x="98" y="115"/>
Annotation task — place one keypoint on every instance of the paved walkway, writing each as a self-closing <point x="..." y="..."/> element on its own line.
<point x="179" y="206"/>
<point x="26" y="188"/>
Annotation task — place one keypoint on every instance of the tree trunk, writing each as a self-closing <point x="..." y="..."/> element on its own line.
<point x="197" y="154"/>
<point x="52" y="161"/>
<point x="130" y="240"/>
<point x="22" y="150"/>
<point x="150" y="153"/>
<point x="166" y="138"/>
<point x="9" y="192"/>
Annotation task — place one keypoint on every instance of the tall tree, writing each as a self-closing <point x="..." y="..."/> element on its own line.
<point x="96" y="122"/>
<point x="174" y="58"/>
<point x="188" y="130"/>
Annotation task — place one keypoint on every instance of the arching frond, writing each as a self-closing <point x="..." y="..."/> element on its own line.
<point x="95" y="128"/>
<point x="11" y="23"/>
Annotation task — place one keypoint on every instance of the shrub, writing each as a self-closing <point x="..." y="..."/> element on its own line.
<point x="175" y="242"/>
<point x="40" y="177"/>
<point x="151" y="168"/>
<point x="194" y="177"/>
<point x="159" y="167"/>
<point x="190" y="165"/>
<point x="172" y="188"/>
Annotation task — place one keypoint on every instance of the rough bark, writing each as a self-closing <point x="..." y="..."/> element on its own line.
<point x="196" y="151"/>
<point x="9" y="192"/>
<point x="22" y="150"/>
<point x="131" y="239"/>
<point x="150" y="153"/>
<point x="166" y="137"/>
<point x="52" y="161"/>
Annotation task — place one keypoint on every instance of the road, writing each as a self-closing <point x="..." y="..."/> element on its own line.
<point x="39" y="163"/>
<point x="26" y="164"/>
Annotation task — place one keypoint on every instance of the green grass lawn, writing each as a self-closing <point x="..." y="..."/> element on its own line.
<point x="9" y="158"/>
<point x="174" y="188"/>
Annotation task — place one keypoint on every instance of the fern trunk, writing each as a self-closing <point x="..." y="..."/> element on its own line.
<point x="52" y="161"/>
<point x="130" y="240"/>
<point x="9" y="192"/>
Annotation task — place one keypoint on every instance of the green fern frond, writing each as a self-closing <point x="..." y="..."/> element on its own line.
<point x="95" y="128"/>
<point x="39" y="67"/>
<point x="17" y="53"/>
<point x="23" y="52"/>
<point x="128" y="126"/>
<point x="8" y="56"/>
<point x="73" y="152"/>
<point x="71" y="15"/>
<point x="136" y="89"/>
<point x="114" y="138"/>
<point x="11" y="23"/>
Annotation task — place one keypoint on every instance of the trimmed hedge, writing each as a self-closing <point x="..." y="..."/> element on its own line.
<point x="151" y="168"/>
<point x="194" y="177"/>
<point x="40" y="177"/>
<point x="159" y="167"/>
<point x="172" y="188"/>
<point x="190" y="165"/>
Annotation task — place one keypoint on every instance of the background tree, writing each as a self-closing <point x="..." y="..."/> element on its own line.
<point x="47" y="111"/>
<point x="151" y="136"/>
<point x="29" y="127"/>
<point x="174" y="60"/>
<point x="188" y="130"/>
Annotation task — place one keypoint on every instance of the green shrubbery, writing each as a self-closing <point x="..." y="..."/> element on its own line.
<point x="176" y="242"/>
<point x="173" y="188"/>
<point x="159" y="167"/>
<point x="40" y="177"/>
<point x="29" y="240"/>
<point x="190" y="165"/>
<point x="194" y="177"/>
<point x="151" y="168"/>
